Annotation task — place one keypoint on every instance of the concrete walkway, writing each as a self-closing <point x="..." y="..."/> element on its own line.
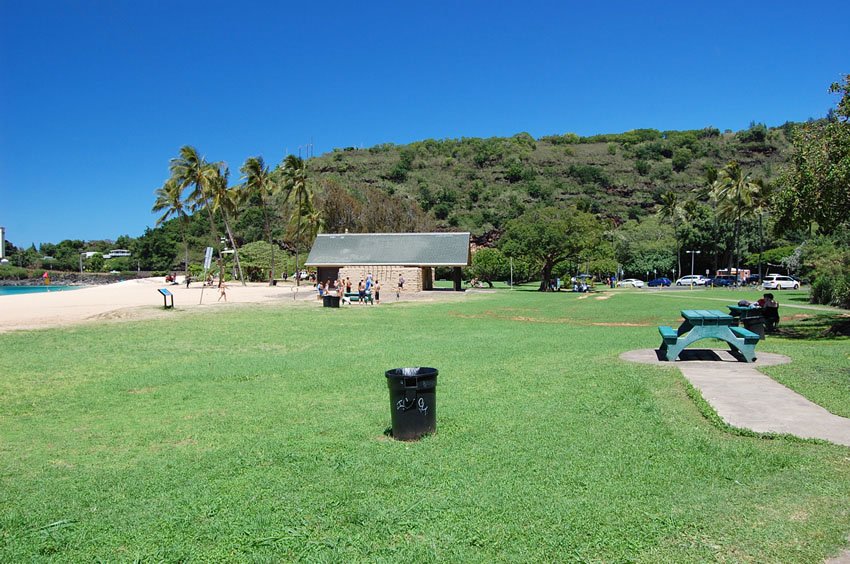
<point x="745" y="398"/>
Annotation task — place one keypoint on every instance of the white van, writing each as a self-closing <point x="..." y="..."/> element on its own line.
<point x="691" y="280"/>
<point x="778" y="282"/>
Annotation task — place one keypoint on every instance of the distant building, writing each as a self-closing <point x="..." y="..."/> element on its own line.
<point x="388" y="255"/>
<point x="115" y="253"/>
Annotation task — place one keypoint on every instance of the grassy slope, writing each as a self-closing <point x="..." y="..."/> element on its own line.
<point x="449" y="165"/>
<point x="229" y="436"/>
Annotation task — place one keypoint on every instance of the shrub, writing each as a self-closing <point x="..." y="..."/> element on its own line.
<point x="832" y="289"/>
<point x="681" y="159"/>
<point x="587" y="174"/>
<point x="8" y="272"/>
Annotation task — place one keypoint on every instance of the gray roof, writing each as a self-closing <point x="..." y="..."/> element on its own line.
<point x="390" y="249"/>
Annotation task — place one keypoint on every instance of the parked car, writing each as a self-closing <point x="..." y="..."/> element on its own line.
<point x="754" y="279"/>
<point x="777" y="282"/>
<point x="691" y="280"/>
<point x="630" y="282"/>
<point x="659" y="282"/>
<point x="722" y="280"/>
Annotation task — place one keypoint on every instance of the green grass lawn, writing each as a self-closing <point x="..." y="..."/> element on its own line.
<point x="257" y="434"/>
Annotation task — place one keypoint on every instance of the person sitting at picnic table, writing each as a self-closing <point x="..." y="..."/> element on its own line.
<point x="771" y="312"/>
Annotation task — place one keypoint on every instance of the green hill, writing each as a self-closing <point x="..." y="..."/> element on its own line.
<point x="478" y="184"/>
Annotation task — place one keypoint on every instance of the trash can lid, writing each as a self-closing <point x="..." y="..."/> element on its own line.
<point x="412" y="372"/>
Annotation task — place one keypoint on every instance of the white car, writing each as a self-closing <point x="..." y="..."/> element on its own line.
<point x="691" y="280"/>
<point x="633" y="282"/>
<point x="777" y="282"/>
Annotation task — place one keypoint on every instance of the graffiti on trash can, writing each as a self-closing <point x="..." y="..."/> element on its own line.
<point x="402" y="405"/>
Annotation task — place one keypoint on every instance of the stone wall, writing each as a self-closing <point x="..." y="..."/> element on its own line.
<point x="388" y="276"/>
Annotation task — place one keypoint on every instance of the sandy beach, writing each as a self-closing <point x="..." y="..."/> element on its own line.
<point x="139" y="299"/>
<point x="131" y="299"/>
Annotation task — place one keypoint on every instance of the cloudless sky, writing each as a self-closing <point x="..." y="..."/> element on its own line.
<point x="97" y="96"/>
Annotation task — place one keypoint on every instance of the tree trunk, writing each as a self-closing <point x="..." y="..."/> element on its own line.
<point x="269" y="235"/>
<point x="761" y="247"/>
<point x="235" y="250"/>
<point x="546" y="274"/>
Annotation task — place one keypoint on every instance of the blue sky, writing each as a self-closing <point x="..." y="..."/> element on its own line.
<point x="96" y="97"/>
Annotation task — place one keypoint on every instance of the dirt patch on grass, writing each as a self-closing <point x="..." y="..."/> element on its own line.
<point x="502" y="316"/>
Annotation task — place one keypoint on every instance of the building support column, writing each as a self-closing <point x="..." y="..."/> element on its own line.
<point x="458" y="279"/>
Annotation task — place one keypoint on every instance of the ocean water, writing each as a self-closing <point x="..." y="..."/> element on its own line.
<point x="17" y="290"/>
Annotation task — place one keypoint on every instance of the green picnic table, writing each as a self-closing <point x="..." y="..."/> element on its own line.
<point x="701" y="324"/>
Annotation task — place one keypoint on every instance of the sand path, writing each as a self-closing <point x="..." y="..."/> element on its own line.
<point x="131" y="299"/>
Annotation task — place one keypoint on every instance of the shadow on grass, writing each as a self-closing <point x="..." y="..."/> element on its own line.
<point x="830" y="326"/>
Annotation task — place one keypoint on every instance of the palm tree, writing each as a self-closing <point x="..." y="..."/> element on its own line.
<point x="761" y="204"/>
<point x="259" y="183"/>
<point x="294" y="182"/>
<point x="168" y="200"/>
<point x="734" y="192"/>
<point x="671" y="209"/>
<point x="191" y="169"/>
<point x="226" y="200"/>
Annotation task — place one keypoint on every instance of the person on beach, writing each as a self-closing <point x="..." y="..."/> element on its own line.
<point x="222" y="291"/>
<point x="377" y="291"/>
<point x="188" y="280"/>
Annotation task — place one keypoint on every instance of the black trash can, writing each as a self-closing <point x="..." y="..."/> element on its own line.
<point x="330" y="301"/>
<point x="413" y="401"/>
<point x="753" y="320"/>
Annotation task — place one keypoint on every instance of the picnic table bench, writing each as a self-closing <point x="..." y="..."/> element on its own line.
<point x="355" y="297"/>
<point x="701" y="324"/>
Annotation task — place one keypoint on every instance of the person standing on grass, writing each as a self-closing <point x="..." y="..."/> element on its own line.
<point x="347" y="285"/>
<point x="361" y="291"/>
<point x="400" y="286"/>
<point x="377" y="291"/>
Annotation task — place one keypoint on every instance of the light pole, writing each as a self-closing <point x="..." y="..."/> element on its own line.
<point x="692" y="259"/>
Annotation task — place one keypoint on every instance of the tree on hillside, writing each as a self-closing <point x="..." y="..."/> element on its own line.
<point x="169" y="201"/>
<point x="339" y="208"/>
<point x="816" y="185"/>
<point x="549" y="235"/>
<point x="260" y="184"/>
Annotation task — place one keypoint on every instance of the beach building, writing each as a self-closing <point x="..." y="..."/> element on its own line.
<point x="388" y="255"/>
